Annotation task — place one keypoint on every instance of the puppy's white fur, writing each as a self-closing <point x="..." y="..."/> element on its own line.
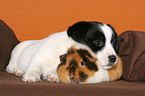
<point x="36" y="57"/>
<point x="108" y="48"/>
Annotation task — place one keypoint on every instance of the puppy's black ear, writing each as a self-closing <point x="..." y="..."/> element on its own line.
<point x="115" y="39"/>
<point x="117" y="44"/>
<point x="78" y="31"/>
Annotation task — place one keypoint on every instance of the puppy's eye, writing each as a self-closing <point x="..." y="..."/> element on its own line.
<point x="98" y="43"/>
<point x="82" y="63"/>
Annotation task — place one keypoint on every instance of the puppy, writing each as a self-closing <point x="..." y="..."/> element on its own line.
<point x="34" y="58"/>
<point x="78" y="66"/>
<point x="100" y="38"/>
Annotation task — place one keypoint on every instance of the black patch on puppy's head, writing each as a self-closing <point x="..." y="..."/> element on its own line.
<point x="78" y="31"/>
<point x="88" y="33"/>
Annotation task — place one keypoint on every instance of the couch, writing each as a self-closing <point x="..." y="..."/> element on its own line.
<point x="132" y="83"/>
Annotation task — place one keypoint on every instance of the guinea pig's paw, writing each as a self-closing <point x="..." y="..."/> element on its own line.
<point x="31" y="77"/>
<point x="52" y="77"/>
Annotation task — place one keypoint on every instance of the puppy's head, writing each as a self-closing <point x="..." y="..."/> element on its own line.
<point x="100" y="38"/>
<point x="76" y="66"/>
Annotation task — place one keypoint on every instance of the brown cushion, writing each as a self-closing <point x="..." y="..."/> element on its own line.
<point x="7" y="42"/>
<point x="132" y="52"/>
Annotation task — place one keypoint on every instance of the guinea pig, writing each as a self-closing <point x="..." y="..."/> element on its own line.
<point x="78" y="66"/>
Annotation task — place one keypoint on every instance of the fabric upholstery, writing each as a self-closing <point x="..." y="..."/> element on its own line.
<point x="132" y="52"/>
<point x="11" y="85"/>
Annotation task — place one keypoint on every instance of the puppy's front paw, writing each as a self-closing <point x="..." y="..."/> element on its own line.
<point x="18" y="73"/>
<point x="31" y="77"/>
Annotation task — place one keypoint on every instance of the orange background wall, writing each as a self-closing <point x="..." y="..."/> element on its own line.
<point x="36" y="19"/>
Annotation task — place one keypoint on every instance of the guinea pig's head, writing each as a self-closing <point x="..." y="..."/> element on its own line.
<point x="76" y="66"/>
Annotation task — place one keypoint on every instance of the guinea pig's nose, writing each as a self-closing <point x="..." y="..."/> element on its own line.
<point x="112" y="58"/>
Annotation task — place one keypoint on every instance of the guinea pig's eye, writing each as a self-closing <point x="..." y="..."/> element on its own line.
<point x="82" y="63"/>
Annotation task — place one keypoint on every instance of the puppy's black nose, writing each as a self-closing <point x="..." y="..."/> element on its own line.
<point x="112" y="58"/>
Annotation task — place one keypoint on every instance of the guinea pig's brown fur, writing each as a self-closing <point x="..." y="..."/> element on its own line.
<point x="76" y="66"/>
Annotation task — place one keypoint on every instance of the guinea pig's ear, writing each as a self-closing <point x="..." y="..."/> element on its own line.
<point x="62" y="58"/>
<point x="92" y="59"/>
